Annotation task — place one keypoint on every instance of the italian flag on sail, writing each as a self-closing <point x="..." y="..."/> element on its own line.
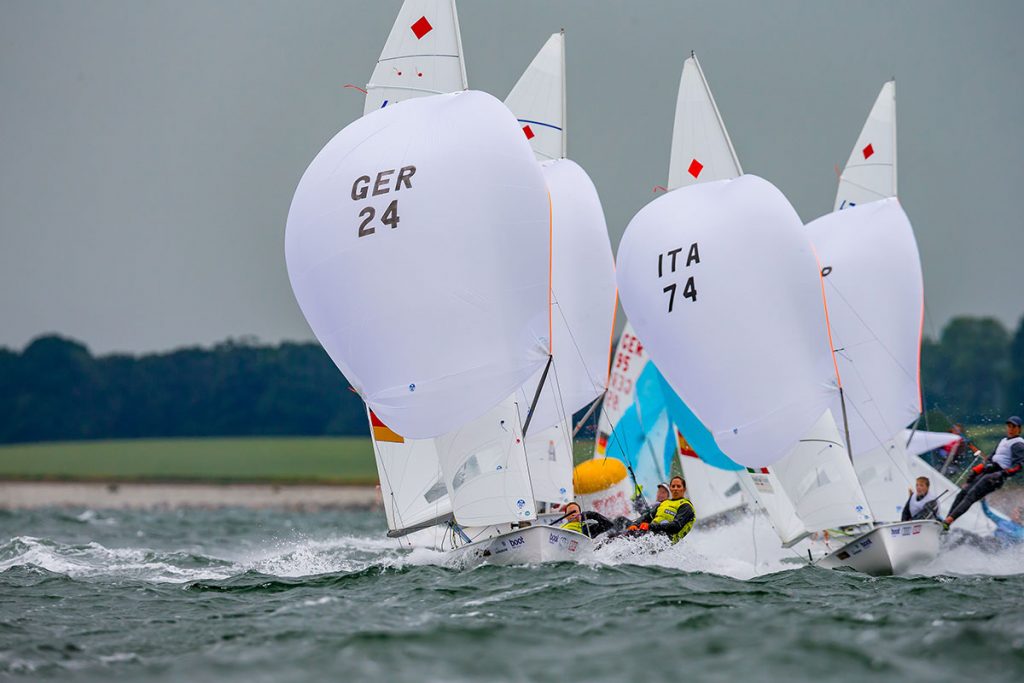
<point x="381" y="432"/>
<point x="761" y="470"/>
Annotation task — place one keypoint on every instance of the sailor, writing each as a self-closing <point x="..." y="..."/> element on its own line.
<point x="921" y="504"/>
<point x="1009" y="530"/>
<point x="663" y="493"/>
<point x="589" y="523"/>
<point x="674" y="517"/>
<point x="985" y="478"/>
<point x="573" y="517"/>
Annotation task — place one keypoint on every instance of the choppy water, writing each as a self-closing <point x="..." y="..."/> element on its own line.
<point x="273" y="595"/>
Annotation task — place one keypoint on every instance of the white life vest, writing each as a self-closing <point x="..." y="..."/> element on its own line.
<point x="916" y="505"/>
<point x="1003" y="455"/>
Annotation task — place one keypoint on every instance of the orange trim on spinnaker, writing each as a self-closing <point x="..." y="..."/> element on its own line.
<point x="611" y="340"/>
<point x="828" y="323"/>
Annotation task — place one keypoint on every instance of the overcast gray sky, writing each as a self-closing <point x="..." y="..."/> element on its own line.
<point x="149" y="150"/>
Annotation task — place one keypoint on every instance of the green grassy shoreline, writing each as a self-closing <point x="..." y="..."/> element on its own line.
<point x="280" y="460"/>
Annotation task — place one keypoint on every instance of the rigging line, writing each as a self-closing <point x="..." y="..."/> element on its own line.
<point x="376" y="448"/>
<point x="572" y="337"/>
<point x="867" y="327"/>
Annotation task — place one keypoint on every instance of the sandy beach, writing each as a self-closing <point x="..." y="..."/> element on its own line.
<point x="17" y="495"/>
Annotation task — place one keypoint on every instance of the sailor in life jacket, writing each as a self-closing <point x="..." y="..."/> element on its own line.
<point x="673" y="517"/>
<point x="573" y="517"/>
<point x="921" y="504"/>
<point x="1006" y="461"/>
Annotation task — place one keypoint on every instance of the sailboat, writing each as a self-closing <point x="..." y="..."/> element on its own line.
<point x="890" y="371"/>
<point x="643" y="422"/>
<point x="384" y="241"/>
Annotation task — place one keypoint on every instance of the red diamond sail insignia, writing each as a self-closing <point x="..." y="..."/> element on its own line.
<point x="528" y="132"/>
<point x="695" y="168"/>
<point x="868" y="151"/>
<point x="421" y="28"/>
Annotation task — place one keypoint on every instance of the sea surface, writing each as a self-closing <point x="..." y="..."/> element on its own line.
<point x="250" y="595"/>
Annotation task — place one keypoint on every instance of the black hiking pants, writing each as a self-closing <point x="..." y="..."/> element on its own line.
<point x="981" y="486"/>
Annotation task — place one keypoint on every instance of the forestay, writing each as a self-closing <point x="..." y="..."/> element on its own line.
<point x="870" y="172"/>
<point x="417" y="247"/>
<point x="411" y="484"/>
<point x="724" y="273"/>
<point x="701" y="148"/>
<point x="875" y="292"/>
<point x="538" y="100"/>
<point x="485" y="469"/>
<point x="422" y="56"/>
<point x="582" y="298"/>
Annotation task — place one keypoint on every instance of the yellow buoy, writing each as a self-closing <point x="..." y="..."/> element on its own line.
<point x="597" y="474"/>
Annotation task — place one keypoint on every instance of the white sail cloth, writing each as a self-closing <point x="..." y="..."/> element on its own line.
<point x="722" y="285"/>
<point x="813" y="488"/>
<point x="870" y="172"/>
<point x="538" y="100"/>
<point x="485" y="469"/>
<point x="701" y="149"/>
<point x="422" y="56"/>
<point x="550" y="457"/>
<point x="411" y="483"/>
<point x="583" y="298"/>
<point x="875" y="293"/>
<point x="417" y="247"/>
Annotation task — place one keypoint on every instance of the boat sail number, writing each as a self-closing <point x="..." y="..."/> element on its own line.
<point x="668" y="263"/>
<point x="384" y="182"/>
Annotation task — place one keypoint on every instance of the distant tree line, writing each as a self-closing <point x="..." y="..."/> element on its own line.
<point x="55" y="389"/>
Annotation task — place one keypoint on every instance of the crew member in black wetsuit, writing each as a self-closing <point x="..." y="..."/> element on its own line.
<point x="1006" y="461"/>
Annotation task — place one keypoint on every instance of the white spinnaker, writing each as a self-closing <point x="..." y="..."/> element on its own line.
<point x="582" y="298"/>
<point x="819" y="483"/>
<point x="538" y="100"/>
<point x="422" y="56"/>
<point x="875" y="293"/>
<point x="486" y="471"/>
<point x="724" y="270"/>
<point x="701" y="148"/>
<point x="870" y="172"/>
<point x="411" y="483"/>
<point x="417" y="247"/>
<point x="549" y="453"/>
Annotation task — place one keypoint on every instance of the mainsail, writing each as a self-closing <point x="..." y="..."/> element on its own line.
<point x="422" y="56"/>
<point x="701" y="148"/>
<point x="722" y="270"/>
<point x="538" y="100"/>
<point x="870" y="172"/>
<point x="442" y="216"/>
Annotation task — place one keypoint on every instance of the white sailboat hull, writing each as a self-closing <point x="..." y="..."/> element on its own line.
<point x="888" y="548"/>
<point x="532" y="545"/>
